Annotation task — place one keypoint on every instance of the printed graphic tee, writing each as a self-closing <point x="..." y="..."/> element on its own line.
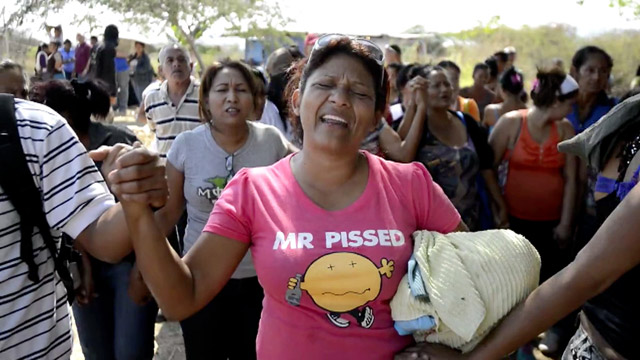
<point x="329" y="276"/>
<point x="207" y="168"/>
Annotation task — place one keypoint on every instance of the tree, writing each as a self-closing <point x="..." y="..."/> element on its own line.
<point x="188" y="19"/>
<point x="633" y="5"/>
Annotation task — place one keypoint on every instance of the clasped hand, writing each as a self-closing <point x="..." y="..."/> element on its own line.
<point x="133" y="173"/>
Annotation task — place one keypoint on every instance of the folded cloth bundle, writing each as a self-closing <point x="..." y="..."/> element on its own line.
<point x="473" y="280"/>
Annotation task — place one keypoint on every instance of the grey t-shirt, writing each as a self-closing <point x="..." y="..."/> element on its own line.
<point x="204" y="165"/>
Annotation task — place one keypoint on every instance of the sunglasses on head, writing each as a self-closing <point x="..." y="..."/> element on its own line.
<point x="375" y="53"/>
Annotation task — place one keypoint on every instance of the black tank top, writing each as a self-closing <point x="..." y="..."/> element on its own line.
<point x="615" y="312"/>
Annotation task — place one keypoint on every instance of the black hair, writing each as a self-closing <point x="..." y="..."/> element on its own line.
<point x="295" y="52"/>
<point x="492" y="63"/>
<point x="111" y="33"/>
<point x="302" y="70"/>
<point x="428" y="69"/>
<point x="209" y="76"/>
<point x="93" y="37"/>
<point x="261" y="82"/>
<point x="480" y="67"/>
<point x="638" y="71"/>
<point x="67" y="41"/>
<point x="404" y="75"/>
<point x="78" y="100"/>
<point x="501" y="56"/>
<point x="545" y="92"/>
<point x="275" y="94"/>
<point x="581" y="56"/>
<point x="141" y="44"/>
<point x="396" y="49"/>
<point x="448" y="64"/>
<point x="512" y="81"/>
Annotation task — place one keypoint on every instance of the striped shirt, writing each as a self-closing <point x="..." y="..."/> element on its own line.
<point x="168" y="120"/>
<point x="34" y="317"/>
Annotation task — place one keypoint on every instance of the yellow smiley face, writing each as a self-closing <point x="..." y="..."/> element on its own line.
<point x="342" y="281"/>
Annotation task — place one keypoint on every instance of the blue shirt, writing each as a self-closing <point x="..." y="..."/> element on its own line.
<point x="601" y="109"/>
<point x="66" y="56"/>
<point x="121" y="65"/>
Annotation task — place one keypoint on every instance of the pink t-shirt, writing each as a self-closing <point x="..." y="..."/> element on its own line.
<point x="329" y="276"/>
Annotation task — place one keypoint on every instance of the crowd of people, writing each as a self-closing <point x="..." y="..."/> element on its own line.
<point x="127" y="75"/>
<point x="272" y="194"/>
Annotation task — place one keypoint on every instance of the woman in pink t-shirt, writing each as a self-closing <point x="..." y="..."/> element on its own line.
<point x="329" y="227"/>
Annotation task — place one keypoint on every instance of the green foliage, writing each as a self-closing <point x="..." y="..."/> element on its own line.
<point x="622" y="5"/>
<point x="538" y="46"/>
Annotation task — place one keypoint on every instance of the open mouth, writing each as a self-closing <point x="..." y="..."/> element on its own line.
<point x="334" y="120"/>
<point x="232" y="111"/>
<point x="347" y="293"/>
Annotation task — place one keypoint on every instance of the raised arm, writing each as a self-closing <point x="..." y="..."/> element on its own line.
<point x="180" y="286"/>
<point x="564" y="230"/>
<point x="404" y="150"/>
<point x="167" y="217"/>
<point x="135" y="174"/>
<point x="613" y="251"/>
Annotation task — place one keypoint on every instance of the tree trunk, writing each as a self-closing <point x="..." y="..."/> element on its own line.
<point x="192" y="46"/>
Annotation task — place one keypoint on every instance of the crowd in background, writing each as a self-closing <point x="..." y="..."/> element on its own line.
<point x="488" y="158"/>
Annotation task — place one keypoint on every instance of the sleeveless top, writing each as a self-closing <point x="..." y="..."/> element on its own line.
<point x="454" y="169"/>
<point x="535" y="184"/>
<point x="615" y="312"/>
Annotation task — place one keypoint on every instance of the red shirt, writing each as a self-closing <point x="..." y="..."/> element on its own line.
<point x="82" y="56"/>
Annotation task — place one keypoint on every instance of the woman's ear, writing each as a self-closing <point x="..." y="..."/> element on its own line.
<point x="295" y="102"/>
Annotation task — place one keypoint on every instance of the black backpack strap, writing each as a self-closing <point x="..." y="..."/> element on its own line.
<point x="17" y="183"/>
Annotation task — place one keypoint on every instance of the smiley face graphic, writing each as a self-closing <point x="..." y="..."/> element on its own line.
<point x="342" y="282"/>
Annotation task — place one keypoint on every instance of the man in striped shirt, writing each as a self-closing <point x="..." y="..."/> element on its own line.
<point x="173" y="108"/>
<point x="34" y="316"/>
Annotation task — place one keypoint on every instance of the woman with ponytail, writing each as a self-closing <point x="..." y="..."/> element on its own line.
<point x="114" y="313"/>
<point x="540" y="182"/>
<point x="509" y="89"/>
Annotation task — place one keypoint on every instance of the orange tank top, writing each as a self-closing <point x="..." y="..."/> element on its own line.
<point x="535" y="183"/>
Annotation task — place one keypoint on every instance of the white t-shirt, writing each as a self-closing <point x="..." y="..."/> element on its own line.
<point x="34" y="317"/>
<point x="271" y="116"/>
<point x="204" y="165"/>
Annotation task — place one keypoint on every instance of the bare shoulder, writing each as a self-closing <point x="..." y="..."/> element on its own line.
<point x="566" y="129"/>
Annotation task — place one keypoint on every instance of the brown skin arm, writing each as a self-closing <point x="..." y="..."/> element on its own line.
<point x="504" y="135"/>
<point x="613" y="251"/>
<point x="462" y="227"/>
<point x="407" y="120"/>
<point x="563" y="231"/>
<point x="403" y="150"/>
<point x="168" y="216"/>
<point x="136" y="174"/>
<point x="181" y="286"/>
<point x="501" y="215"/>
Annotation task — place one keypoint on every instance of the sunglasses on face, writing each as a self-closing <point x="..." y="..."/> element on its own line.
<point x="375" y="53"/>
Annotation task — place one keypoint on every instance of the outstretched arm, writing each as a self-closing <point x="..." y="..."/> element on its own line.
<point x="613" y="251"/>
<point x="180" y="286"/>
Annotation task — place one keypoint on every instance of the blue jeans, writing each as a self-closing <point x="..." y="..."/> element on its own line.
<point x="112" y="326"/>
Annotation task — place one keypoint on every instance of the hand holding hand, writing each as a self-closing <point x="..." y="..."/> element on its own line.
<point x="134" y="174"/>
